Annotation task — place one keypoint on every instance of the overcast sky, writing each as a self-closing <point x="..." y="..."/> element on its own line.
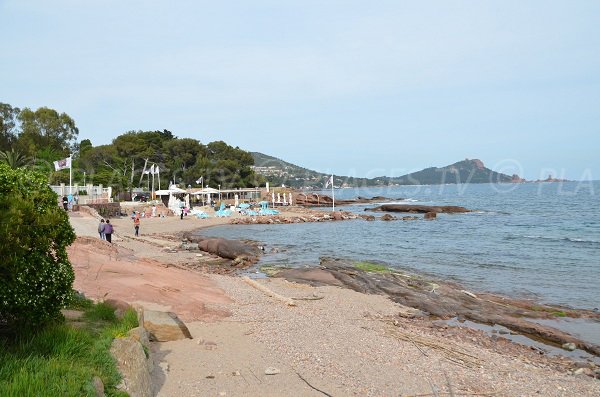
<point x="364" y="88"/>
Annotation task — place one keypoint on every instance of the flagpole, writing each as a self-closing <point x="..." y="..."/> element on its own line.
<point x="332" y="195"/>
<point x="158" y="177"/>
<point x="70" y="174"/>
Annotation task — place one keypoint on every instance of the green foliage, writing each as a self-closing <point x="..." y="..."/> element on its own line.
<point x="35" y="273"/>
<point x="62" y="360"/>
<point x="46" y="128"/>
<point x="371" y="267"/>
<point x="14" y="159"/>
<point x="182" y="160"/>
<point x="8" y="123"/>
<point x="101" y="312"/>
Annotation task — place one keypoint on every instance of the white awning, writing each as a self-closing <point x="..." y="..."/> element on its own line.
<point x="206" y="190"/>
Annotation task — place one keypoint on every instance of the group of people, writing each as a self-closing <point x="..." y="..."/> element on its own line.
<point x="105" y="229"/>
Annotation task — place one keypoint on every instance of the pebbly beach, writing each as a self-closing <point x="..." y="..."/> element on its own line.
<point x="337" y="328"/>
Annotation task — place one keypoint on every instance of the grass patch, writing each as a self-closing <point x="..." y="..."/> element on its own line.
<point x="372" y="267"/>
<point x="559" y="314"/>
<point x="61" y="360"/>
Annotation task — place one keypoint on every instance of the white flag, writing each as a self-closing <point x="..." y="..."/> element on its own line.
<point x="152" y="169"/>
<point x="329" y="182"/>
<point x="200" y="180"/>
<point x="62" y="164"/>
<point x="156" y="169"/>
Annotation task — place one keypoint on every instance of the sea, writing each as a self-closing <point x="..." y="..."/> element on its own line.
<point x="538" y="241"/>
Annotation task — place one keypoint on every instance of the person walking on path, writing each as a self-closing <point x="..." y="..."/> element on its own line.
<point x="65" y="202"/>
<point x="181" y="207"/>
<point x="101" y="229"/>
<point x="108" y="231"/>
<point x="136" y="224"/>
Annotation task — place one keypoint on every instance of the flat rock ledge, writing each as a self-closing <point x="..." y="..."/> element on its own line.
<point x="420" y="209"/>
<point x="443" y="300"/>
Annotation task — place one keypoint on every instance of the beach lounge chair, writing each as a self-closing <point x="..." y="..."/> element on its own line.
<point x="199" y="214"/>
<point x="265" y="210"/>
<point x="222" y="212"/>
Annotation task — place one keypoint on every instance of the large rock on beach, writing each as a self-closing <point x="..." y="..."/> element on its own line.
<point x="419" y="209"/>
<point x="164" y="326"/>
<point x="228" y="249"/>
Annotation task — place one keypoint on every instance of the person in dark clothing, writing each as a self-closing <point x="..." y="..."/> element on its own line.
<point x="65" y="201"/>
<point x="108" y="231"/>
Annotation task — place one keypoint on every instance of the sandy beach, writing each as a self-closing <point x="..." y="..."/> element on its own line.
<point x="334" y="341"/>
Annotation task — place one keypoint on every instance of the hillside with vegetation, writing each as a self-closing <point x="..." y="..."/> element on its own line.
<point x="279" y="172"/>
<point x="466" y="171"/>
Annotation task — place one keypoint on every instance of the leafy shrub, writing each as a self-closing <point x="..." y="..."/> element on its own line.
<point x="35" y="274"/>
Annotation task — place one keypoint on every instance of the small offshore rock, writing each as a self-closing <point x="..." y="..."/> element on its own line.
<point x="569" y="346"/>
<point x="430" y="215"/>
<point x="272" y="371"/>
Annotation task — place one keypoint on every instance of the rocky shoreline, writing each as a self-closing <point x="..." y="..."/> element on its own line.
<point x="431" y="299"/>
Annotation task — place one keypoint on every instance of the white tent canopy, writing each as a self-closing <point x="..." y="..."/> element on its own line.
<point x="172" y="190"/>
<point x="206" y="190"/>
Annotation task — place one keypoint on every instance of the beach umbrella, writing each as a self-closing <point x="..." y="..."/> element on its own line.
<point x="279" y="197"/>
<point x="284" y="201"/>
<point x="273" y="198"/>
<point x="290" y="200"/>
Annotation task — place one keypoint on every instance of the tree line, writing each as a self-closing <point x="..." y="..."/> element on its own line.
<point x="36" y="139"/>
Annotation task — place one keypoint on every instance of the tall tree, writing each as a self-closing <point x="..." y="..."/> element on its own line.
<point x="46" y="128"/>
<point x="8" y="125"/>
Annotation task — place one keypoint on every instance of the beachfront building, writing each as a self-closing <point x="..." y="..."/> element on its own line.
<point x="86" y="194"/>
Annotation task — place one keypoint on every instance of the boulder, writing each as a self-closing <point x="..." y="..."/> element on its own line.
<point x="131" y="362"/>
<point x="367" y="217"/>
<point x="430" y="215"/>
<point x="165" y="326"/>
<point x="388" y="217"/>
<point x="228" y="249"/>
<point x="410" y="218"/>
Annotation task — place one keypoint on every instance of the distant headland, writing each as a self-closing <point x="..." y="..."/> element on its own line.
<point x="279" y="172"/>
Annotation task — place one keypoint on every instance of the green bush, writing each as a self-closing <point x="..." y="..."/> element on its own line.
<point x="36" y="277"/>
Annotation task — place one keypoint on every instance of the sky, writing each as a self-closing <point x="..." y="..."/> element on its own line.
<point x="361" y="88"/>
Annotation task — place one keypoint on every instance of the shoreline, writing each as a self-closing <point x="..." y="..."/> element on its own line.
<point x="313" y="339"/>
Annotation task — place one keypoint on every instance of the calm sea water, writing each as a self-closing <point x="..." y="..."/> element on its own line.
<point x="538" y="241"/>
